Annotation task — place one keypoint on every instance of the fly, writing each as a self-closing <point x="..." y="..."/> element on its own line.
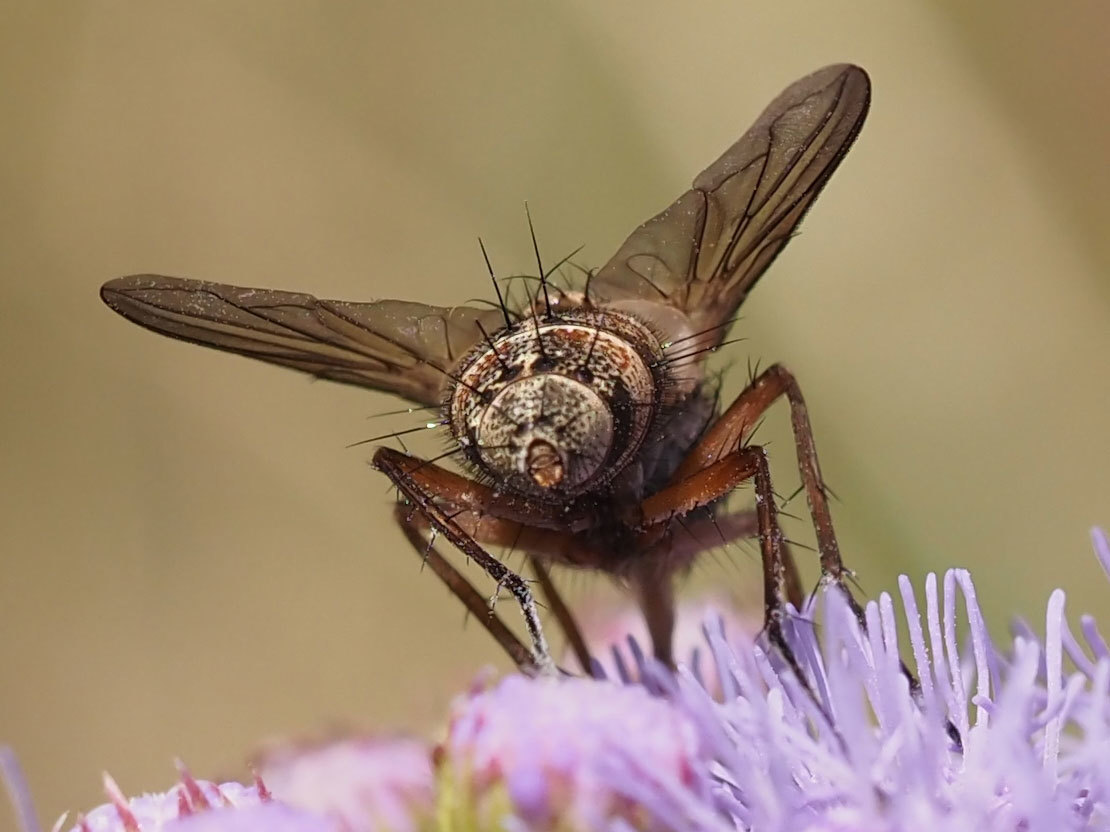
<point x="582" y="414"/>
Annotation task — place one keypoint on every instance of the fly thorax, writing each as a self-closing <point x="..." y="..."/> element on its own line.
<point x="556" y="408"/>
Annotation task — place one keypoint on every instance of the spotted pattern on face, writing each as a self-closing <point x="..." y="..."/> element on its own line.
<point x="553" y="408"/>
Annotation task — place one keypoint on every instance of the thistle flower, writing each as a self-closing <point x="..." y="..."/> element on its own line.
<point x="558" y="754"/>
<point x="193" y="805"/>
<point x="351" y="784"/>
<point x="992" y="738"/>
<point x="265" y="817"/>
<point x="375" y="784"/>
<point x="621" y="630"/>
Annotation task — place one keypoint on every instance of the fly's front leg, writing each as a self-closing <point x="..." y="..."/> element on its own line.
<point x="709" y="484"/>
<point x="573" y="633"/>
<point x="491" y="530"/>
<point x="480" y="516"/>
<point x="730" y="431"/>
<point x="398" y="468"/>
<point x="462" y="589"/>
<point x="737" y="423"/>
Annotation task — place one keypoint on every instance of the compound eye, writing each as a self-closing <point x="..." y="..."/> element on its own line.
<point x="545" y="466"/>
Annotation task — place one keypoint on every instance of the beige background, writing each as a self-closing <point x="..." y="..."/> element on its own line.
<point x="193" y="561"/>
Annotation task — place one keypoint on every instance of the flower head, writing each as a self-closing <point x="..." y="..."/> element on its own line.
<point x="374" y="784"/>
<point x="618" y="633"/>
<point x="983" y="738"/>
<point x="162" y="810"/>
<point x="992" y="739"/>
<point x="980" y="737"/>
<point x="264" y="817"/>
<point x="572" y="754"/>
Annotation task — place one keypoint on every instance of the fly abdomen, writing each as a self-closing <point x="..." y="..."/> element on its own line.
<point x="557" y="408"/>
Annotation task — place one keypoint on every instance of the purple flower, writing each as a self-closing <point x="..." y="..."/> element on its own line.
<point x="264" y="817"/>
<point x="371" y="784"/>
<point x="164" y="810"/>
<point x="623" y="629"/>
<point x="994" y="739"/>
<point x="351" y="784"/>
<point x="573" y="754"/>
<point x="1012" y="737"/>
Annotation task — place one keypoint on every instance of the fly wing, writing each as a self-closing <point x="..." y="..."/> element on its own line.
<point x="390" y="345"/>
<point x="703" y="254"/>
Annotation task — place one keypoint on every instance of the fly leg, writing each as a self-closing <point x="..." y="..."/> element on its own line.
<point x="652" y="576"/>
<point x="730" y="431"/>
<point x="571" y="631"/>
<point x="736" y="424"/>
<point x="393" y="466"/>
<point x="706" y="486"/>
<point x="462" y="589"/>
<point x="472" y="522"/>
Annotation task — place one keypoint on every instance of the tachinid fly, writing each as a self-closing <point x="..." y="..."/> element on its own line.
<point x="582" y="413"/>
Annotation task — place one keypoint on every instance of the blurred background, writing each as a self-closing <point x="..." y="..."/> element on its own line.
<point x="193" y="560"/>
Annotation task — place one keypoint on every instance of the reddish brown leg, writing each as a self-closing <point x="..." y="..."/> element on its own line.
<point x="707" y="485"/>
<point x="736" y="423"/>
<point x="495" y="532"/>
<point x="467" y="495"/>
<point x="730" y="431"/>
<point x="482" y="515"/>
<point x="462" y="589"/>
<point x="397" y="468"/>
<point x="563" y="615"/>
<point x="472" y="521"/>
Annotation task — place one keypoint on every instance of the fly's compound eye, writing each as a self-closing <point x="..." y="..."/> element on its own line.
<point x="555" y="409"/>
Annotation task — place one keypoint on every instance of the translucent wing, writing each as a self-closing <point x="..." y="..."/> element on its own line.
<point x="395" y="346"/>
<point x="703" y="254"/>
